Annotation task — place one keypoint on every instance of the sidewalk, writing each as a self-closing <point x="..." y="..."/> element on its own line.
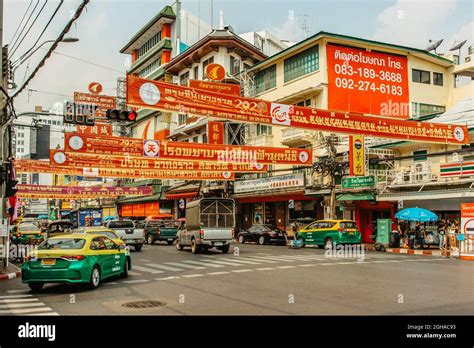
<point x="10" y="272"/>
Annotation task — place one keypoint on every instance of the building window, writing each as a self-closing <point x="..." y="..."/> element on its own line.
<point x="204" y="138"/>
<point x="183" y="79"/>
<point x="421" y="76"/>
<point x="155" y="39"/>
<point x="263" y="130"/>
<point x="302" y="63"/>
<point x="182" y="118"/>
<point x="196" y="140"/>
<point x="205" y="64"/>
<point x="420" y="109"/>
<point x="437" y="79"/>
<point x="420" y="155"/>
<point x="150" y="67"/>
<point x="196" y="73"/>
<point x="306" y="102"/>
<point x="234" y="65"/>
<point x="21" y="135"/>
<point x="265" y="79"/>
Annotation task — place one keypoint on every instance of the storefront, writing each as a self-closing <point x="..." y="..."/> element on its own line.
<point x="368" y="212"/>
<point x="273" y="200"/>
<point x="179" y="195"/>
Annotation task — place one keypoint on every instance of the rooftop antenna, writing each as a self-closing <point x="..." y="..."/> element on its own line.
<point x="457" y="46"/>
<point x="433" y="46"/>
<point x="221" y="20"/>
<point x="305" y="26"/>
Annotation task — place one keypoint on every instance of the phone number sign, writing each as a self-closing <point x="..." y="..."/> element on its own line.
<point x="367" y="82"/>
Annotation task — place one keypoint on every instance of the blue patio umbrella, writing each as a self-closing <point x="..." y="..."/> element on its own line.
<point x="416" y="214"/>
<point x="107" y="218"/>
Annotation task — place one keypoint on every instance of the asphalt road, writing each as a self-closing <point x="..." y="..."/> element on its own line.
<point x="272" y="280"/>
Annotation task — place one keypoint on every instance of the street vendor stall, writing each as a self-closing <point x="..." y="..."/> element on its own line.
<point x="421" y="229"/>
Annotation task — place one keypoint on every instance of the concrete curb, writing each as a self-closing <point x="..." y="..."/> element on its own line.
<point x="418" y="252"/>
<point x="11" y="275"/>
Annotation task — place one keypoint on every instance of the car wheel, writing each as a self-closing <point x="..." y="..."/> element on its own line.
<point x="194" y="247"/>
<point x="261" y="240"/>
<point x="178" y="245"/>
<point x="138" y="247"/>
<point x="241" y="239"/>
<point x="95" y="278"/>
<point x="170" y="242"/>
<point x="328" y="244"/>
<point x="225" y="249"/>
<point x="36" y="286"/>
<point x="124" y="274"/>
<point x="150" y="239"/>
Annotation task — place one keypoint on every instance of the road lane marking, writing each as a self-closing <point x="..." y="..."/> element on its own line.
<point x="21" y="305"/>
<point x="227" y="263"/>
<point x="145" y="269"/>
<point x="193" y="275"/>
<point x="49" y="313"/>
<point x="134" y="273"/>
<point x="136" y="281"/>
<point x="111" y="283"/>
<point x="218" y="273"/>
<point x="24" y="291"/>
<point x="145" y="260"/>
<point x="16" y="300"/>
<point x="167" y="268"/>
<point x="16" y="296"/>
<point x="265" y="269"/>
<point x="25" y="310"/>
<point x="201" y="263"/>
<point x="273" y="258"/>
<point x="167" y="278"/>
<point x="285" y="267"/>
<point x="242" y="270"/>
<point x="183" y="265"/>
<point x="234" y="259"/>
<point x="308" y="265"/>
<point x="256" y="260"/>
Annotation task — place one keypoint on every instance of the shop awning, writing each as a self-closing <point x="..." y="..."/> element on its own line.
<point x="355" y="197"/>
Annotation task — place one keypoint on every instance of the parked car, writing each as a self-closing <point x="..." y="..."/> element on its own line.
<point x="102" y="231"/>
<point x="26" y="233"/>
<point x="329" y="233"/>
<point x="75" y="258"/>
<point x="59" y="227"/>
<point x="125" y="229"/>
<point x="161" y="230"/>
<point x="210" y="223"/>
<point x="262" y="234"/>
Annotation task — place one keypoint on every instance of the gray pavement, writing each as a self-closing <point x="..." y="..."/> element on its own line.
<point x="271" y="280"/>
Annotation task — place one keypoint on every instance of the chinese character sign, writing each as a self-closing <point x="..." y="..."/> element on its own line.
<point x="215" y="132"/>
<point x="357" y="155"/>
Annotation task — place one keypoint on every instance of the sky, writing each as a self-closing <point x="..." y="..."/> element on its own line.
<point x="107" y="25"/>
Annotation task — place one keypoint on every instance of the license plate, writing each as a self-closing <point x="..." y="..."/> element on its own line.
<point x="48" y="262"/>
<point x="218" y="243"/>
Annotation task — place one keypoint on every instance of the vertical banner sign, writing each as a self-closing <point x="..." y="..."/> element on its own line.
<point x="215" y="132"/>
<point x="357" y="155"/>
<point x="367" y="82"/>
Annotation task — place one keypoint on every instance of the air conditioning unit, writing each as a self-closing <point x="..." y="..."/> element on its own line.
<point x="420" y="172"/>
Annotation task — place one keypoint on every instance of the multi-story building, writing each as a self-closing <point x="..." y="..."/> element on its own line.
<point x="310" y="74"/>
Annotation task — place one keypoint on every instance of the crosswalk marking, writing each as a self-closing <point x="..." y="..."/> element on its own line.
<point x="48" y="313"/>
<point x="21" y="305"/>
<point x="134" y="273"/>
<point x="193" y="275"/>
<point x="255" y="260"/>
<point x="203" y="263"/>
<point x="274" y="258"/>
<point x="227" y="263"/>
<point x="136" y="281"/>
<point x="15" y="296"/>
<point x="265" y="269"/>
<point x="308" y="265"/>
<point x="241" y="270"/>
<point x="179" y="264"/>
<point x="22" y="291"/>
<point x="238" y="259"/>
<point x="146" y="269"/>
<point x="167" y="278"/>
<point x="218" y="273"/>
<point x="25" y="310"/>
<point x="285" y="267"/>
<point x="167" y="268"/>
<point x="17" y="300"/>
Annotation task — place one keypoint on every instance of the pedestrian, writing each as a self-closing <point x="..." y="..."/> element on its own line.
<point x="402" y="230"/>
<point x="441" y="233"/>
<point x="419" y="234"/>
<point x="294" y="229"/>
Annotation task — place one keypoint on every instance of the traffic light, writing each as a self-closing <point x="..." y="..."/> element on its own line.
<point x="121" y="115"/>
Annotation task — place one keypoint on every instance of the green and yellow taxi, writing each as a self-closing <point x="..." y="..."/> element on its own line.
<point x="103" y="231"/>
<point x="75" y="258"/>
<point x="27" y="233"/>
<point x="330" y="233"/>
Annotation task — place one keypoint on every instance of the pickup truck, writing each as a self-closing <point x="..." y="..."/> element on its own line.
<point x="125" y="229"/>
<point x="161" y="230"/>
<point x="210" y="223"/>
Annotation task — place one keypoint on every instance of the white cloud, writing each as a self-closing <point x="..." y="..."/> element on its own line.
<point x="466" y="32"/>
<point x="413" y="23"/>
<point x="290" y="30"/>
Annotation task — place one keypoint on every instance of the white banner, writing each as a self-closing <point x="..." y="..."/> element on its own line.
<point x="271" y="183"/>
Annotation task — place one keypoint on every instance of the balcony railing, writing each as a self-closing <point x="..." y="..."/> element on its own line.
<point x="295" y="135"/>
<point x="260" y="140"/>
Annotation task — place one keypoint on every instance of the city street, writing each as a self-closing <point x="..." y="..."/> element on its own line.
<point x="270" y="280"/>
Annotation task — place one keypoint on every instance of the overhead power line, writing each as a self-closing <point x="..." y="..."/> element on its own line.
<point x="31" y="25"/>
<point x="53" y="46"/>
<point x="46" y="26"/>
<point x="21" y="22"/>
<point x="89" y="62"/>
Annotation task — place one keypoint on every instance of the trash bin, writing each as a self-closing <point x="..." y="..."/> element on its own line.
<point x="394" y="240"/>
